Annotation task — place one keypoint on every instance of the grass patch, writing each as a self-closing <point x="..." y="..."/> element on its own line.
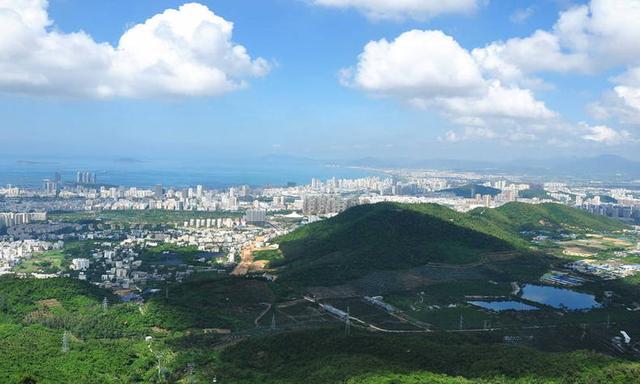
<point x="270" y="255"/>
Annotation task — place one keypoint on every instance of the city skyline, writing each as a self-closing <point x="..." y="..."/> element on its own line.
<point x="323" y="79"/>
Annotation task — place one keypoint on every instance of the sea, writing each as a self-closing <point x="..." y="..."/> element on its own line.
<point x="213" y="174"/>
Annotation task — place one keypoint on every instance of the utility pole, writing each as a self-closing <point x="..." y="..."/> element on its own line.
<point x="161" y="377"/>
<point x="347" y="323"/>
<point x="273" y="322"/>
<point x="65" y="342"/>
<point x="461" y="323"/>
<point x="191" y="373"/>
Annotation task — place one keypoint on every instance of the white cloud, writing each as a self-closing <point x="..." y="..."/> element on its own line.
<point x="491" y="86"/>
<point x="623" y="101"/>
<point x="470" y="133"/>
<point x="605" y="135"/>
<point x="430" y="70"/>
<point x="181" y="52"/>
<point x="499" y="102"/>
<point x="403" y="9"/>
<point x="607" y="30"/>
<point x="417" y="63"/>
<point x="451" y="137"/>
<point x="585" y="39"/>
<point x="521" y="15"/>
<point x="514" y="60"/>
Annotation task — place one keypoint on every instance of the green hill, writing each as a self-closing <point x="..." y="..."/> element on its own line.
<point x="549" y="216"/>
<point x="470" y="190"/>
<point x="389" y="237"/>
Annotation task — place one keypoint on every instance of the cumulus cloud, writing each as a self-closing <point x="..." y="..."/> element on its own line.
<point x="181" y="52"/>
<point x="492" y="86"/>
<point x="605" y="135"/>
<point x="514" y="60"/>
<point x="599" y="36"/>
<point x="585" y="39"/>
<point x="403" y="9"/>
<point x="417" y="63"/>
<point x="621" y="102"/>
<point x="430" y="70"/>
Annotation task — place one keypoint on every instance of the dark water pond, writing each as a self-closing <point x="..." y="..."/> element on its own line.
<point x="174" y="259"/>
<point x="500" y="306"/>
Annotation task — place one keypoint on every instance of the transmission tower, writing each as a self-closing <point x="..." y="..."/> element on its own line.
<point x="347" y="323"/>
<point x="191" y="379"/>
<point x="65" y="342"/>
<point x="161" y="369"/>
<point x="105" y="304"/>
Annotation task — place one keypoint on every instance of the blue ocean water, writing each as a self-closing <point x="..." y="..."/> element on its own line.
<point x="210" y="173"/>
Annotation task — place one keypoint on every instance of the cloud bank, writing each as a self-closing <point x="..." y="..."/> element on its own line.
<point x="179" y="53"/>
<point x="489" y="91"/>
<point x="430" y="70"/>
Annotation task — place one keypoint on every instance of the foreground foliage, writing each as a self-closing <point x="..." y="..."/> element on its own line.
<point x="328" y="356"/>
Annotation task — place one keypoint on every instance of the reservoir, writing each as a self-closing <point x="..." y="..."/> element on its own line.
<point x="500" y="306"/>
<point x="559" y="297"/>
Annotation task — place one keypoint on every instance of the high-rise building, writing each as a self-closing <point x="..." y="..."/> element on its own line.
<point x="158" y="191"/>
<point x="255" y="216"/>
<point x="50" y="186"/>
<point x="11" y="219"/>
<point x="86" y="177"/>
<point x="322" y="204"/>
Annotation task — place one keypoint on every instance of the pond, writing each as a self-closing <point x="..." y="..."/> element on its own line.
<point x="560" y="298"/>
<point x="500" y="306"/>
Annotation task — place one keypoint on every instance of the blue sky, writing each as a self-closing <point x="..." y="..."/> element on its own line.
<point x="290" y="95"/>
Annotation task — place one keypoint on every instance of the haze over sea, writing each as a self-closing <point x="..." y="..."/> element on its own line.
<point x="221" y="173"/>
